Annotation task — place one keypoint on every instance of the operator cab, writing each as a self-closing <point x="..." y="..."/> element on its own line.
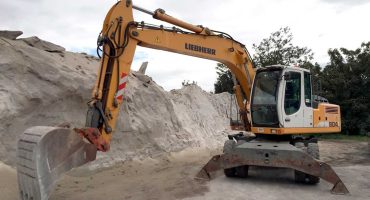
<point x="282" y="97"/>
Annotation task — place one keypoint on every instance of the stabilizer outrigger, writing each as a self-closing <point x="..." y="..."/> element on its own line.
<point x="273" y="154"/>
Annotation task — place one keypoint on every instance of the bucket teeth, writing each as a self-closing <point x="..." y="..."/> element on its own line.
<point x="45" y="153"/>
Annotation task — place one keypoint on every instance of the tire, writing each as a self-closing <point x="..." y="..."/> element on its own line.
<point x="231" y="172"/>
<point x="299" y="176"/>
<point x="301" y="146"/>
<point x="312" y="149"/>
<point x="242" y="171"/>
<point x="228" y="147"/>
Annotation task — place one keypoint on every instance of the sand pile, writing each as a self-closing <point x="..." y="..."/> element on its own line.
<point x="42" y="84"/>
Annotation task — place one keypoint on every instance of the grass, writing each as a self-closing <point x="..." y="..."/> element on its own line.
<point x="360" y="138"/>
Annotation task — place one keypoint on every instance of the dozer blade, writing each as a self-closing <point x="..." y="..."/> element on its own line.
<point x="43" y="154"/>
<point x="273" y="155"/>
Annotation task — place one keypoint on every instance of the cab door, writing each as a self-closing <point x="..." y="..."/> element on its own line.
<point x="307" y="101"/>
<point x="296" y="99"/>
<point x="292" y="109"/>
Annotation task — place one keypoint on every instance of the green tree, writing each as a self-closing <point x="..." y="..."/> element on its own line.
<point x="279" y="49"/>
<point x="224" y="82"/>
<point x="345" y="81"/>
<point x="276" y="49"/>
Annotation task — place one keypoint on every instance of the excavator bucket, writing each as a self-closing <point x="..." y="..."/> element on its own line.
<point x="43" y="154"/>
<point x="270" y="154"/>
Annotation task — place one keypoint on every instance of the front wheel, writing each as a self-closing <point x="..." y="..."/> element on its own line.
<point x="228" y="147"/>
<point x="241" y="171"/>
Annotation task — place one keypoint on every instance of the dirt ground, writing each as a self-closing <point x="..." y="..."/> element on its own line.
<point x="171" y="177"/>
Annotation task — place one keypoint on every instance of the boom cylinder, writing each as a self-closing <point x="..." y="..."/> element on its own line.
<point x="160" y="14"/>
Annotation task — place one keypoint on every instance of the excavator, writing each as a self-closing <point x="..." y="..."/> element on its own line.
<point x="274" y="102"/>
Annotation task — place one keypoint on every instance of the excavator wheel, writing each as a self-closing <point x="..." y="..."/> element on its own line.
<point x="312" y="149"/>
<point x="240" y="171"/>
<point x="231" y="172"/>
<point x="228" y="147"/>
<point x="43" y="154"/>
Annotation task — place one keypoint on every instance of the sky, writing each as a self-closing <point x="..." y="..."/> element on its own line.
<point x="316" y="24"/>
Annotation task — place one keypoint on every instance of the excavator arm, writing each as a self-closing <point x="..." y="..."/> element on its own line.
<point x="118" y="40"/>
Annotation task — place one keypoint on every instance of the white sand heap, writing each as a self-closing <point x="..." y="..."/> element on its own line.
<point x="41" y="84"/>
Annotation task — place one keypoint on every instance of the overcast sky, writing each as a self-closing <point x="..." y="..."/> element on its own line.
<point x="317" y="24"/>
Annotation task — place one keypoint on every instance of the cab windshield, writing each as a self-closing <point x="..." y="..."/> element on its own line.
<point x="264" y="100"/>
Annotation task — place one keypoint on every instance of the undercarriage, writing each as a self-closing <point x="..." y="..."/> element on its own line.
<point x="297" y="153"/>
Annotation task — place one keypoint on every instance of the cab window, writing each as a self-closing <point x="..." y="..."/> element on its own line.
<point x="307" y="89"/>
<point x="292" y="100"/>
<point x="264" y="104"/>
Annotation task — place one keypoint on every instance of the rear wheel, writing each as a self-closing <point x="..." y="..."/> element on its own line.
<point x="312" y="149"/>
<point x="242" y="171"/>
<point x="299" y="176"/>
<point x="230" y="172"/>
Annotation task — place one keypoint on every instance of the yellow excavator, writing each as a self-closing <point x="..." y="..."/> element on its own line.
<point x="274" y="102"/>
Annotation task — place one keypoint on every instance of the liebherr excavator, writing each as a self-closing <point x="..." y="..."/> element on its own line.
<point x="274" y="102"/>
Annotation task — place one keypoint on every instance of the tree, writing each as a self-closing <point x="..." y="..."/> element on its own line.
<point x="345" y="81"/>
<point x="224" y="82"/>
<point x="278" y="49"/>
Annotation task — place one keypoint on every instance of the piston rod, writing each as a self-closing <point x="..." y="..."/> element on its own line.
<point x="143" y="10"/>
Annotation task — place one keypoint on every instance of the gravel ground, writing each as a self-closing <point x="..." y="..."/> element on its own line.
<point x="171" y="177"/>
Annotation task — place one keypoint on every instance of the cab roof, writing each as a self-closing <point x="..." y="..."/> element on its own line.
<point x="281" y="67"/>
